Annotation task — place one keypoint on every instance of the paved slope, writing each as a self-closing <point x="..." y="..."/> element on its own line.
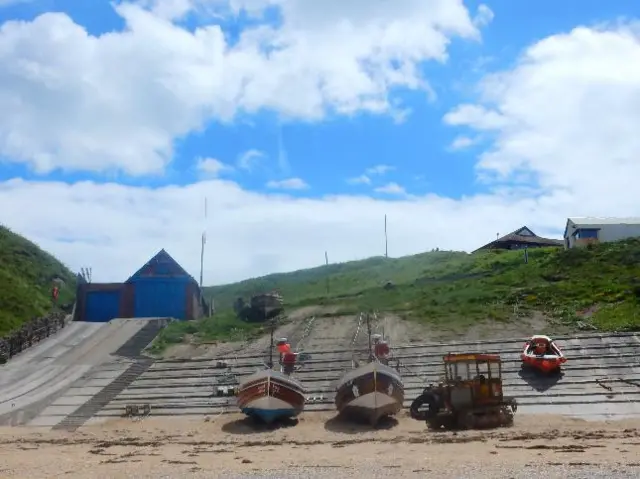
<point x="601" y="379"/>
<point x="31" y="381"/>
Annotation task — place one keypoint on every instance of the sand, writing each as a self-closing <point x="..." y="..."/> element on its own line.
<point x="321" y="446"/>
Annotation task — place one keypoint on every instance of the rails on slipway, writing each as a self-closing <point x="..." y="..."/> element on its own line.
<point x="269" y="394"/>
<point x="373" y="390"/>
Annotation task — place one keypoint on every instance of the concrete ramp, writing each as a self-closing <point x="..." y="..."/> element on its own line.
<point x="31" y="381"/>
<point x="600" y="381"/>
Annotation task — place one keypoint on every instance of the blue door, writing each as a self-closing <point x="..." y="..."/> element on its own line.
<point x="102" y="306"/>
<point x="160" y="298"/>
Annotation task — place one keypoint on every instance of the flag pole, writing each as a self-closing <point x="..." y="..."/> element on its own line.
<point x="386" y="241"/>
<point x="202" y="243"/>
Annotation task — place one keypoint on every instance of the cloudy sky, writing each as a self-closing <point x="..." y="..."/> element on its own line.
<point x="304" y="122"/>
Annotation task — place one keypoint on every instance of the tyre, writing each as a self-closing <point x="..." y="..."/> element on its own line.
<point x="425" y="407"/>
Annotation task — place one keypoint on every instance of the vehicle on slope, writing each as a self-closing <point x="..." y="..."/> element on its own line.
<point x="543" y="354"/>
<point x="469" y="397"/>
<point x="260" y="308"/>
<point x="372" y="390"/>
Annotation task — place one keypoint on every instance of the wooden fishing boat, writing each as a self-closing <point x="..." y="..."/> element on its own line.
<point x="370" y="391"/>
<point x="269" y="395"/>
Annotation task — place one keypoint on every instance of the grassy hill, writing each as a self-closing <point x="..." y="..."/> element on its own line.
<point x="599" y="285"/>
<point x="26" y="275"/>
<point x="596" y="287"/>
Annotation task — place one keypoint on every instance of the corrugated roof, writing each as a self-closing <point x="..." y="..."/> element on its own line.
<point x="515" y="237"/>
<point x="594" y="221"/>
<point x="529" y="239"/>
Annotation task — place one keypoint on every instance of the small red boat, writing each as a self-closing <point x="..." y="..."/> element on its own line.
<point x="543" y="354"/>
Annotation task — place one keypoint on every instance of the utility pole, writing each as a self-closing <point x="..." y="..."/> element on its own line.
<point x="386" y="241"/>
<point x="203" y="242"/>
<point x="326" y="263"/>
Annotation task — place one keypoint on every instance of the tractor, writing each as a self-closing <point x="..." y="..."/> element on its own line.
<point x="470" y="397"/>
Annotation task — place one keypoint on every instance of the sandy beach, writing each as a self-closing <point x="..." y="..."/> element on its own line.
<point x="321" y="446"/>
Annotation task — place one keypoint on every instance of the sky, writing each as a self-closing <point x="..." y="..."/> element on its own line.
<point x="301" y="124"/>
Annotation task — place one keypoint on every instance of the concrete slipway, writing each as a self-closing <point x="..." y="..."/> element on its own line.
<point x="87" y="373"/>
<point x="82" y="355"/>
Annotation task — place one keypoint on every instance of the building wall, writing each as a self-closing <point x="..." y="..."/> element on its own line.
<point x="194" y="310"/>
<point x="161" y="297"/>
<point x="150" y="297"/>
<point x="102" y="306"/>
<point x="127" y="300"/>
<point x="98" y="301"/>
<point x="606" y="233"/>
<point x="161" y="288"/>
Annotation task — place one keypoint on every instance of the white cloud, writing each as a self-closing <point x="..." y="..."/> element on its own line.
<point x="211" y="166"/>
<point x="391" y="189"/>
<point x="116" y="228"/>
<point x="360" y="180"/>
<point x="462" y="142"/>
<point x="484" y="16"/>
<point x="477" y="117"/>
<point x="288" y="184"/>
<point x="365" y="179"/>
<point x="250" y="159"/>
<point x="170" y="9"/>
<point x="379" y="170"/>
<point x="565" y="117"/>
<point x="118" y="101"/>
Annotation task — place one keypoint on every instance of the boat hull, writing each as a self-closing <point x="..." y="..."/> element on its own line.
<point x="270" y="395"/>
<point x="370" y="393"/>
<point x="545" y="363"/>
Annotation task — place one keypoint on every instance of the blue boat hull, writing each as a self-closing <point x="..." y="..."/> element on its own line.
<point x="269" y="415"/>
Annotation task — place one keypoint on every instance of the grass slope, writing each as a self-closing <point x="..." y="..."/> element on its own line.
<point x="26" y="275"/>
<point x="597" y="286"/>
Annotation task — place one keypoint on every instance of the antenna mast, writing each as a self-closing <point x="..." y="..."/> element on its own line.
<point x="204" y="240"/>
<point x="386" y="242"/>
<point x="326" y="263"/>
<point x="273" y="328"/>
<point x="368" y="318"/>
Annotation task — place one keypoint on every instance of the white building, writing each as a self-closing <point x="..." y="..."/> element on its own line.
<point x="582" y="231"/>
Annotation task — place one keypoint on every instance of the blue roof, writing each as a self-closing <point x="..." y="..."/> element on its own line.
<point x="161" y="265"/>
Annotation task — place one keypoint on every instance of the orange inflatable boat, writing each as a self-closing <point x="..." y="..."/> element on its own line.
<point x="543" y="354"/>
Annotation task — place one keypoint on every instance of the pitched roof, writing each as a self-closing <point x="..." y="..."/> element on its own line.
<point x="162" y="257"/>
<point x="523" y="235"/>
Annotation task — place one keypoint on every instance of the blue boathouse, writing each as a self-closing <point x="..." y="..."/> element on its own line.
<point x="160" y="289"/>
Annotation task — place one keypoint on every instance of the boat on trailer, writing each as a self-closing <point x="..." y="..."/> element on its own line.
<point x="542" y="353"/>
<point x="270" y="395"/>
<point x="373" y="390"/>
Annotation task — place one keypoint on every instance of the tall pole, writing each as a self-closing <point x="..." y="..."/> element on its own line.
<point x="326" y="263"/>
<point x="386" y="242"/>
<point x="368" y="318"/>
<point x="204" y="240"/>
<point x="273" y="327"/>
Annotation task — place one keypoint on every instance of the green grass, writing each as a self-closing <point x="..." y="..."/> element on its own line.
<point x="454" y="290"/>
<point x="26" y="275"/>
<point x="222" y="326"/>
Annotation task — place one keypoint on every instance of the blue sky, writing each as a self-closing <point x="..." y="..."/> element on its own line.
<point x="148" y="93"/>
<point x="326" y="153"/>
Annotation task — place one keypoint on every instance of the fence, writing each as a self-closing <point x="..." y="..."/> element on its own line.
<point x="31" y="333"/>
